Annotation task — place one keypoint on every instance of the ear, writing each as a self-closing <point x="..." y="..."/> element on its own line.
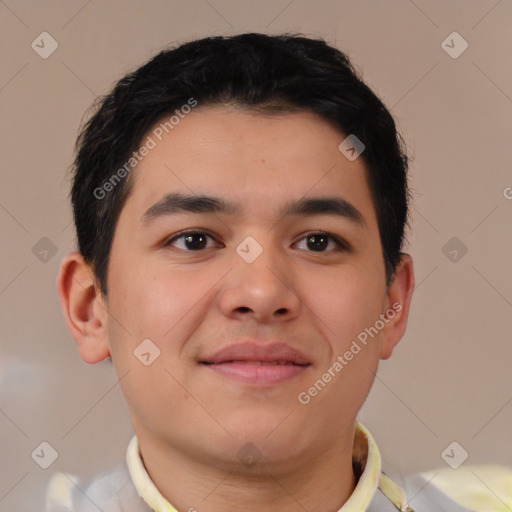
<point x="84" y="308"/>
<point x="398" y="301"/>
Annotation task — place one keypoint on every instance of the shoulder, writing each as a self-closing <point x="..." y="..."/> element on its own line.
<point x="475" y="488"/>
<point x="478" y="488"/>
<point x="110" y="491"/>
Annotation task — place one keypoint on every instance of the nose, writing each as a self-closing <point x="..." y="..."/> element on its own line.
<point x="262" y="290"/>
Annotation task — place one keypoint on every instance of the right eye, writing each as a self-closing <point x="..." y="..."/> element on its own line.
<point x="193" y="241"/>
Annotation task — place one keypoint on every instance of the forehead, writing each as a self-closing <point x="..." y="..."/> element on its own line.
<point x="257" y="162"/>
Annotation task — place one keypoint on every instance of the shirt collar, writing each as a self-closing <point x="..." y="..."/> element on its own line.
<point x="365" y="455"/>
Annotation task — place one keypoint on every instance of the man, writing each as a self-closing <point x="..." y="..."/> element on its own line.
<point x="240" y="206"/>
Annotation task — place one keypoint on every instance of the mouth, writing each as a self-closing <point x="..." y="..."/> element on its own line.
<point x="259" y="373"/>
<point x="256" y="363"/>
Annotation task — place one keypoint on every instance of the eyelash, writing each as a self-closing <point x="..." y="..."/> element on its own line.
<point x="341" y="245"/>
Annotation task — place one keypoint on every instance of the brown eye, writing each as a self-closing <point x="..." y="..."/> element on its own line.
<point x="192" y="241"/>
<point x="318" y="242"/>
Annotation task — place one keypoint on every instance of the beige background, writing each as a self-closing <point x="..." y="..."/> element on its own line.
<point x="449" y="380"/>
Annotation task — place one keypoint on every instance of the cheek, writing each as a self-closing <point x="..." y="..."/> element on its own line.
<point x="165" y="306"/>
<point x="345" y="304"/>
<point x="151" y="300"/>
<point x="149" y="306"/>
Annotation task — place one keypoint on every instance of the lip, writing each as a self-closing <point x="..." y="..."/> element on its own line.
<point x="258" y="364"/>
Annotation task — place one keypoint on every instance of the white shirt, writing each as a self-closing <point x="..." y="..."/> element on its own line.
<point x="129" y="488"/>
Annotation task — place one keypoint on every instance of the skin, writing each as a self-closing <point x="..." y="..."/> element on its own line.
<point x="190" y="421"/>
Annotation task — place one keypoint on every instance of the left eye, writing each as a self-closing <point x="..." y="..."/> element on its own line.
<point x="197" y="240"/>
<point x="321" y="241"/>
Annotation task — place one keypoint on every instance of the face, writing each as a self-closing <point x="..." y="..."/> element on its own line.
<point x="281" y="295"/>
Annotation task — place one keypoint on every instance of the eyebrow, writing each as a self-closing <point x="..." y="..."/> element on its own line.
<point x="177" y="202"/>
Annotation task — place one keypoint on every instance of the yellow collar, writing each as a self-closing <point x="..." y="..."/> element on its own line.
<point x="365" y="454"/>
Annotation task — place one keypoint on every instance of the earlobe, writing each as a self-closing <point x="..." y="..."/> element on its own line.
<point x="398" y="302"/>
<point x="83" y="308"/>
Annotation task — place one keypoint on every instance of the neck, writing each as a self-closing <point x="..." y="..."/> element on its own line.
<point x="323" y="481"/>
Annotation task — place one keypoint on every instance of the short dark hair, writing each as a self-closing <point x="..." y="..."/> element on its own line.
<point x="264" y="73"/>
